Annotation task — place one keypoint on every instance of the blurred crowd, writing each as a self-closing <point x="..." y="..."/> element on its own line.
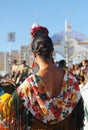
<point x="20" y="71"/>
<point x="80" y="70"/>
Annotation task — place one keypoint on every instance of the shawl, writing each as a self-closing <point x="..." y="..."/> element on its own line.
<point x="36" y="98"/>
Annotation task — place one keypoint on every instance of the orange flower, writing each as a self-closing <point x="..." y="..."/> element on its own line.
<point x="58" y="102"/>
<point x="64" y="85"/>
<point x="73" y="97"/>
<point x="41" y="88"/>
<point x="40" y="101"/>
<point x="44" y="111"/>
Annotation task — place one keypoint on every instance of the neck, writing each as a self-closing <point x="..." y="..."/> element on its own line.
<point x="44" y="63"/>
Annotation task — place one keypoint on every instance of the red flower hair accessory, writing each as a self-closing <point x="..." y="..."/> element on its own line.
<point x="37" y="29"/>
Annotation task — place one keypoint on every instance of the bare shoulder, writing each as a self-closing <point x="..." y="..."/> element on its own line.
<point x="58" y="74"/>
<point x="60" y="71"/>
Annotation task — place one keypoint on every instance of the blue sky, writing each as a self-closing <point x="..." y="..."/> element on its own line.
<point x="18" y="16"/>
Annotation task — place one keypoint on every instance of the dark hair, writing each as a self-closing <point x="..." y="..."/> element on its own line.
<point x="43" y="46"/>
<point x="62" y="63"/>
<point x="23" y="62"/>
<point x="15" y="61"/>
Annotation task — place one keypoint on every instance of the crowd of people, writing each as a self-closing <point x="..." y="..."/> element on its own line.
<point x="19" y="72"/>
<point x="80" y="70"/>
<point x="50" y="98"/>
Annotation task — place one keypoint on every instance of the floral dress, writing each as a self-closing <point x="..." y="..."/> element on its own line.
<point x="37" y="100"/>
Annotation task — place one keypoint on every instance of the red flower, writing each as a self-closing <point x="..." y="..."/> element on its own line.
<point x="73" y="105"/>
<point x="68" y="104"/>
<point x="35" y="89"/>
<point x="38" y="29"/>
<point x="28" y="79"/>
<point x="70" y="81"/>
<point x="70" y="73"/>
<point x="53" y="109"/>
<point x="38" y="115"/>
<point x="57" y="114"/>
<point x="35" y="108"/>
<point x="65" y="94"/>
<point x="76" y="86"/>
<point x="27" y="90"/>
<point x="28" y="104"/>
<point x="21" y="94"/>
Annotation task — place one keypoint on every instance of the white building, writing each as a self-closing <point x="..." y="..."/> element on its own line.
<point x="74" y="49"/>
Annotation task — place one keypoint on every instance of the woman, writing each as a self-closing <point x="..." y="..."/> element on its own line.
<point x="49" y="95"/>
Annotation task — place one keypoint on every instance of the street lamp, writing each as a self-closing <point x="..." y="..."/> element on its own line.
<point x="11" y="38"/>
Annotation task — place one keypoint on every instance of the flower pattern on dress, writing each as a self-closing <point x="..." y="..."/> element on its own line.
<point x="36" y="98"/>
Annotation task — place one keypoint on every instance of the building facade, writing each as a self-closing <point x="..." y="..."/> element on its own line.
<point x="74" y="49"/>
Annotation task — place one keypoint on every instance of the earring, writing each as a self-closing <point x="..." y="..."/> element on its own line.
<point x="33" y="64"/>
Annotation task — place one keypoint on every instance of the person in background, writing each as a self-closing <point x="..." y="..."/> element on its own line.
<point x="23" y="72"/>
<point x="62" y="64"/>
<point x="77" y="73"/>
<point x="14" y="70"/>
<point x="84" y="65"/>
<point x="84" y="69"/>
<point x="72" y="68"/>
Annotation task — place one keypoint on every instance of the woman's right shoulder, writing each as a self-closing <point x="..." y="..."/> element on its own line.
<point x="61" y="70"/>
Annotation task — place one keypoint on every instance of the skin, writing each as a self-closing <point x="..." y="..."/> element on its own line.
<point x="51" y="75"/>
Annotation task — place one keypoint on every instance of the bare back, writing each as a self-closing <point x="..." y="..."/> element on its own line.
<point x="52" y="77"/>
